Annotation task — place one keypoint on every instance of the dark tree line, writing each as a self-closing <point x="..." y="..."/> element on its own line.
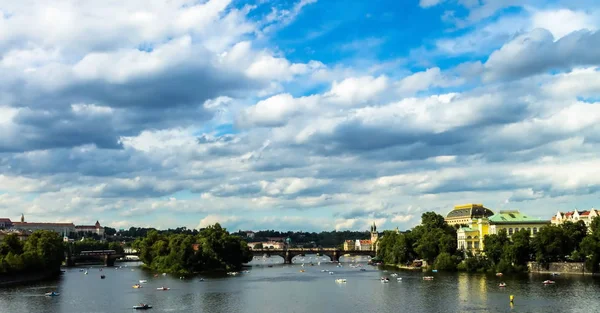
<point x="42" y="251"/>
<point x="213" y="248"/>
<point x="323" y="239"/>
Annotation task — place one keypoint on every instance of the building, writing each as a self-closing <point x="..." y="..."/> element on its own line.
<point x="275" y="245"/>
<point x="65" y="229"/>
<point x="94" y="229"/>
<point x="249" y="234"/>
<point x="466" y="214"/>
<point x="470" y="236"/>
<point x="277" y="239"/>
<point x="23" y="235"/>
<point x="349" y="245"/>
<point x="575" y="216"/>
<point x="363" y="245"/>
<point x="5" y="223"/>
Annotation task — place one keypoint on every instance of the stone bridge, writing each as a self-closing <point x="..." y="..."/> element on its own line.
<point x="288" y="254"/>
<point x="107" y="256"/>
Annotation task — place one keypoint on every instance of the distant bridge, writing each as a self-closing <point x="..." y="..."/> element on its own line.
<point x="107" y="256"/>
<point x="288" y="254"/>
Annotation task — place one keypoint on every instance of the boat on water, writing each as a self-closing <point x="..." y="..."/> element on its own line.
<point x="555" y="274"/>
<point x="302" y="271"/>
<point x="269" y="265"/>
<point x="136" y="286"/>
<point x="86" y="273"/>
<point x="330" y="273"/>
<point x="427" y="277"/>
<point x="102" y="276"/>
<point x="142" y="306"/>
<point x="399" y="278"/>
<point x="232" y="273"/>
<point x="434" y="271"/>
<point x="385" y="280"/>
<point x="548" y="282"/>
<point x="81" y="270"/>
<point x="499" y="274"/>
<point x="394" y="275"/>
<point x="323" y="271"/>
<point x="52" y="294"/>
<point x="143" y="281"/>
<point x="502" y="285"/>
<point x="163" y="288"/>
<point x="340" y="280"/>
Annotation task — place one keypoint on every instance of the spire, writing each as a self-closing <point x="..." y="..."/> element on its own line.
<point x="374" y="227"/>
<point x="22" y="218"/>
<point x="97" y="224"/>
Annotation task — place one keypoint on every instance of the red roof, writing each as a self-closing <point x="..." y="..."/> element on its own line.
<point x="365" y="241"/>
<point x="43" y="224"/>
<point x="5" y="220"/>
<point x="584" y="213"/>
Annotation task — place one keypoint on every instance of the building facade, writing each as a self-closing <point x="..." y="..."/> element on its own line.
<point x="65" y="229"/>
<point x="467" y="214"/>
<point x="94" y="229"/>
<point x="575" y="216"/>
<point x="5" y="223"/>
<point x="349" y="245"/>
<point x="470" y="237"/>
<point x="363" y="245"/>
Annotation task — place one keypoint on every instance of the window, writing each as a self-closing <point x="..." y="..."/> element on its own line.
<point x="510" y="231"/>
<point x="516" y="230"/>
<point x="535" y="230"/>
<point x="529" y="230"/>
<point x="476" y="244"/>
<point x="469" y="245"/>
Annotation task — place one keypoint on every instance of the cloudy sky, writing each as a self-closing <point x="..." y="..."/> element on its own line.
<point x="296" y="114"/>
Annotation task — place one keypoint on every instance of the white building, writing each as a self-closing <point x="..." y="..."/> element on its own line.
<point x="95" y="229"/>
<point x="575" y="216"/>
<point x="65" y="229"/>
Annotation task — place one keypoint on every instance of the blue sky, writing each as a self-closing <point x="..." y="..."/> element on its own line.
<point x="298" y="114"/>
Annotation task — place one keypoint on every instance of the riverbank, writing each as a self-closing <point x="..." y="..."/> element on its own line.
<point x="574" y="268"/>
<point x="26" y="278"/>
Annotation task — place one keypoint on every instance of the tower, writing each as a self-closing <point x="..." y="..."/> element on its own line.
<point x="374" y="236"/>
<point x="22" y="218"/>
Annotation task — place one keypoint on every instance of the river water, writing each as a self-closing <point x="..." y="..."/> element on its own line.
<point x="284" y="288"/>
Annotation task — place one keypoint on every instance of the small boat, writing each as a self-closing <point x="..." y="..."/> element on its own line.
<point x="155" y="275"/>
<point x="81" y="270"/>
<point x="548" y="282"/>
<point x="499" y="274"/>
<point x="399" y="278"/>
<point x="100" y="270"/>
<point x="363" y="270"/>
<point x="136" y="286"/>
<point x="269" y="265"/>
<point x="502" y="285"/>
<point x="340" y="280"/>
<point x="302" y="271"/>
<point x="143" y="281"/>
<point x="330" y="273"/>
<point x="427" y="277"/>
<point x="52" y="294"/>
<point x="142" y="307"/>
<point x="434" y="271"/>
<point x="323" y="271"/>
<point x="246" y="272"/>
<point x="555" y="274"/>
<point x="394" y="275"/>
<point x="163" y="288"/>
<point x="102" y="276"/>
<point x="164" y="274"/>
<point x="385" y="280"/>
<point x="201" y="279"/>
<point x="86" y="273"/>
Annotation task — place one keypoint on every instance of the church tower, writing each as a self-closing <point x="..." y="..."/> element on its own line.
<point x="22" y="218"/>
<point x="374" y="237"/>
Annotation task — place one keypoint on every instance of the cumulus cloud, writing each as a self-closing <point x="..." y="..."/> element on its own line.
<point x="187" y="114"/>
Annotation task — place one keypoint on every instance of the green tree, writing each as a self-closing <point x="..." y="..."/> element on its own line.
<point x="493" y="246"/>
<point x="575" y="232"/>
<point x="519" y="250"/>
<point x="550" y="245"/>
<point x="258" y="245"/>
<point x="445" y="262"/>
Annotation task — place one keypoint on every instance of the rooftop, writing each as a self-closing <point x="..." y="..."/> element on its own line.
<point x="470" y="211"/>
<point x="514" y="216"/>
<point x="23" y="224"/>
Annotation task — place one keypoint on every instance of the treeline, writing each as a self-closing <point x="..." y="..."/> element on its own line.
<point x="213" y="248"/>
<point x="42" y="251"/>
<point x="323" y="239"/>
<point x="432" y="242"/>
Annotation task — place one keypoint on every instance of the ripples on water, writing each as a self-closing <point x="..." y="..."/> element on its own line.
<point x="283" y="288"/>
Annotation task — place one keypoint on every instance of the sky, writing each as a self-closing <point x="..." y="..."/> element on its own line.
<point x="296" y="114"/>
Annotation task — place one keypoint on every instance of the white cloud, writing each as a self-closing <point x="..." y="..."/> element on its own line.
<point x="563" y="21"/>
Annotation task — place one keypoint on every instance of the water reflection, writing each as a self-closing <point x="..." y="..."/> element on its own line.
<point x="283" y="288"/>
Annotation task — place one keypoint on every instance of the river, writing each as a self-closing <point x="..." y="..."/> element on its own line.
<point x="285" y="289"/>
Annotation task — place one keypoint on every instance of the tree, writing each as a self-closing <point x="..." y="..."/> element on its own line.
<point x="550" y="245"/>
<point x="258" y="245"/>
<point x="445" y="262"/>
<point x="520" y="249"/>
<point x="575" y="232"/>
<point x="109" y="231"/>
<point x="493" y="246"/>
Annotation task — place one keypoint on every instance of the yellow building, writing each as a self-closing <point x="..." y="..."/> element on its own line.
<point x="467" y="214"/>
<point x="348" y="245"/>
<point x="470" y="237"/>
